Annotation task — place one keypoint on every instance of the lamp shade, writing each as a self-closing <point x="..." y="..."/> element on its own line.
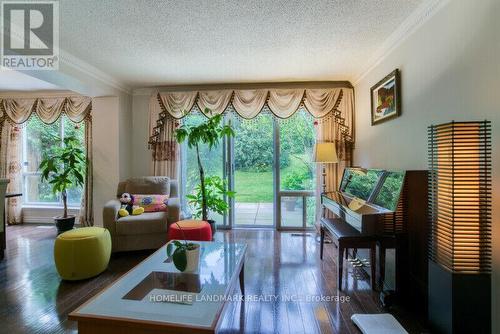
<point x="325" y="153"/>
<point x="460" y="195"/>
<point x="460" y="230"/>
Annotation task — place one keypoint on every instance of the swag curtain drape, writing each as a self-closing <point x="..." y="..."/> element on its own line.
<point x="16" y="111"/>
<point x="166" y="150"/>
<point x="332" y="108"/>
<point x="11" y="154"/>
<point x="283" y="103"/>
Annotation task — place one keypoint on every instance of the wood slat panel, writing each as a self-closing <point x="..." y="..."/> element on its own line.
<point x="460" y="195"/>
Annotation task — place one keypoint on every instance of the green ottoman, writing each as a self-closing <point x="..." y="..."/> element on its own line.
<point x="82" y="253"/>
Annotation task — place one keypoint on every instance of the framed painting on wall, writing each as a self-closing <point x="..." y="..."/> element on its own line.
<point x="386" y="98"/>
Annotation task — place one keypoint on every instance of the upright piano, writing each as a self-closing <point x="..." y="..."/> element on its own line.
<point x="391" y="206"/>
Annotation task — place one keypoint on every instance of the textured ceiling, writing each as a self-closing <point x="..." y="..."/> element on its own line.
<point x="147" y="43"/>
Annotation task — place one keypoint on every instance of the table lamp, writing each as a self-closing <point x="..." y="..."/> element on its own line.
<point x="460" y="227"/>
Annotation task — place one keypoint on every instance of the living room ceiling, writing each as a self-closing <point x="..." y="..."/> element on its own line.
<point x="149" y="43"/>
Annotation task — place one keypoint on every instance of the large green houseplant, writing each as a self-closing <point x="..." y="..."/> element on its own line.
<point x="216" y="193"/>
<point x="209" y="133"/>
<point x="64" y="167"/>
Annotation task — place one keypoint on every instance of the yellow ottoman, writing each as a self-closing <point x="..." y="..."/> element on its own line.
<point x="82" y="253"/>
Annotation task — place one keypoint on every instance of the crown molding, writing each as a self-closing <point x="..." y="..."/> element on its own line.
<point x="33" y="94"/>
<point x="143" y="91"/>
<point x="416" y="19"/>
<point x="76" y="63"/>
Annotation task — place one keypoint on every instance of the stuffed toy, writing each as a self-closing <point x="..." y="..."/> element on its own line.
<point x="128" y="207"/>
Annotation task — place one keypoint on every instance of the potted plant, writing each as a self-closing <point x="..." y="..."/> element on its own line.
<point x="216" y="193"/>
<point x="185" y="255"/>
<point x="64" y="167"/>
<point x="209" y="133"/>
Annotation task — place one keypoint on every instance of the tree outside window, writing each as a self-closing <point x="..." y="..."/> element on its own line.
<point x="38" y="138"/>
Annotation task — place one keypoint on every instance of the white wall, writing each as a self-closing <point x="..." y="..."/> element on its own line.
<point x="106" y="149"/>
<point x="112" y="126"/>
<point x="141" y="156"/>
<point x="125" y="135"/>
<point x="450" y="70"/>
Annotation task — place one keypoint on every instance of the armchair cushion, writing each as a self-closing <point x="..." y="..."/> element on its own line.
<point x="147" y="223"/>
<point x="149" y="185"/>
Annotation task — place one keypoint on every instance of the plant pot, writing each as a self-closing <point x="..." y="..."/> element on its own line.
<point x="213" y="226"/>
<point x="193" y="260"/>
<point x="290" y="204"/>
<point x="192" y="257"/>
<point x="64" y="224"/>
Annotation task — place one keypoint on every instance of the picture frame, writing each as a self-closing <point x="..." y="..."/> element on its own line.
<point x="385" y="98"/>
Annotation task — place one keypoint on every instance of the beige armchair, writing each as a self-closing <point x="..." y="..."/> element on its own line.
<point x="146" y="231"/>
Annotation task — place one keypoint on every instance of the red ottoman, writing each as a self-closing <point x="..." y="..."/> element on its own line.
<point x="197" y="230"/>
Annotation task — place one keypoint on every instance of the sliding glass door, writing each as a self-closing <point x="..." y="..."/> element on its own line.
<point x="269" y="166"/>
<point x="253" y="171"/>
<point x="297" y="172"/>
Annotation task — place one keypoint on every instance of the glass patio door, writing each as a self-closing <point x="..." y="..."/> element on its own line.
<point x="268" y="164"/>
<point x="252" y="174"/>
<point x="296" y="172"/>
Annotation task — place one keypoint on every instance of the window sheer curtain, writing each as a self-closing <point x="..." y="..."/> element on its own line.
<point x="14" y="112"/>
<point x="332" y="108"/>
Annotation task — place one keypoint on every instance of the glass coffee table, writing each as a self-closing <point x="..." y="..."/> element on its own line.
<point x="154" y="297"/>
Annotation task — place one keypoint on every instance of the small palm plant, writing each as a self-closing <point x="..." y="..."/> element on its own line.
<point x="64" y="167"/>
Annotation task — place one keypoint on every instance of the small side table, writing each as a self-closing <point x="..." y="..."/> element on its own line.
<point x="3" y="239"/>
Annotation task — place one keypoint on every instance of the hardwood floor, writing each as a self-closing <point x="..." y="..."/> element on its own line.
<point x="33" y="299"/>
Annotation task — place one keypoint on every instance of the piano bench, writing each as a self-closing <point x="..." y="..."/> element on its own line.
<point x="344" y="236"/>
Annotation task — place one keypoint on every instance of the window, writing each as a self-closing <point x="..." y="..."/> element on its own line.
<point x="38" y="138"/>
<point x="249" y="162"/>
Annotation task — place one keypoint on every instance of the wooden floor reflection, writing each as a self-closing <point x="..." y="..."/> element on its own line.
<point x="284" y="278"/>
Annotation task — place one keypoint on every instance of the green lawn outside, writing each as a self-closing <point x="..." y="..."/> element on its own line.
<point x="253" y="187"/>
<point x="257" y="187"/>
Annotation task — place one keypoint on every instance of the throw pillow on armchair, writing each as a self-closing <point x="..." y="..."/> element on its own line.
<point x="151" y="203"/>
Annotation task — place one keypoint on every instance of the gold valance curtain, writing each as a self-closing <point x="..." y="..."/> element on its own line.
<point x="336" y="103"/>
<point x="283" y="103"/>
<point x="333" y="109"/>
<point x="16" y="111"/>
<point x="19" y="110"/>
